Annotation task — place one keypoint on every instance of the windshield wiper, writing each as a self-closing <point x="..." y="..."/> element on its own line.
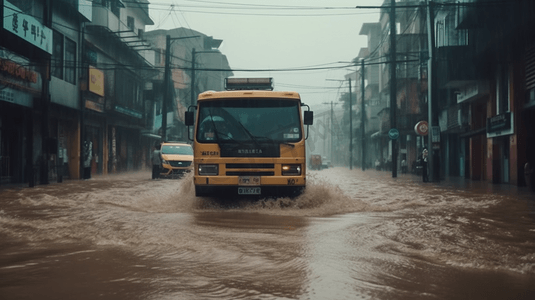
<point x="288" y="144"/>
<point x="253" y="138"/>
<point x="273" y="141"/>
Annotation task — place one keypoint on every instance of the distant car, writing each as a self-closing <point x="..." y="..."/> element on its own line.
<point x="177" y="159"/>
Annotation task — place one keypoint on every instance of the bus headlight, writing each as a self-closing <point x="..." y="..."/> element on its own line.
<point x="205" y="170"/>
<point x="165" y="162"/>
<point x="291" y="170"/>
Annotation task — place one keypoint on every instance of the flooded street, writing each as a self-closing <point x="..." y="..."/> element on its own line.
<point x="351" y="235"/>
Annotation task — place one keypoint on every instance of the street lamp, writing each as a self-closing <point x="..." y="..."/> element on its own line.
<point x="167" y="79"/>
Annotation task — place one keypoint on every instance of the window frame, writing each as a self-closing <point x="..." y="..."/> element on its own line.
<point x="58" y="56"/>
<point x="69" y="73"/>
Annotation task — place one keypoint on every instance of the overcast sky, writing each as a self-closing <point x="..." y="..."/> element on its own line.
<point x="276" y="35"/>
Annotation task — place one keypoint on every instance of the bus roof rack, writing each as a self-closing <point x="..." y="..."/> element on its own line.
<point x="249" y="84"/>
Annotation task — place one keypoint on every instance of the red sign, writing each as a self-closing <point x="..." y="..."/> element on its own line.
<point x="421" y="128"/>
<point x="16" y="70"/>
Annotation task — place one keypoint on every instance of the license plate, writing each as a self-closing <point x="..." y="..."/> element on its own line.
<point x="249" y="191"/>
<point x="249" y="180"/>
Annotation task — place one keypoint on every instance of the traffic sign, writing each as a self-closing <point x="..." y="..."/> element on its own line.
<point x="393" y="134"/>
<point x="421" y="128"/>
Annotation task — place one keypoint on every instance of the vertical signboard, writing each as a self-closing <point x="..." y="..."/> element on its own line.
<point x="96" y="81"/>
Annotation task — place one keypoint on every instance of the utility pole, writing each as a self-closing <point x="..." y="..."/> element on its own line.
<point x="45" y="100"/>
<point x="350" y="127"/>
<point x="350" y="122"/>
<point x="363" y="116"/>
<point x="332" y="133"/>
<point x="167" y="80"/>
<point x="393" y="84"/>
<point x="192" y="80"/>
<point x="431" y="90"/>
<point x="331" y="129"/>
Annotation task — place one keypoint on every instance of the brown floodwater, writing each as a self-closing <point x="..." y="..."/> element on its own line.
<point x="351" y="235"/>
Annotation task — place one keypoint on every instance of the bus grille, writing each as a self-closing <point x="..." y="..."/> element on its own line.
<point x="250" y="166"/>
<point x="234" y="173"/>
<point x="176" y="163"/>
<point x="257" y="169"/>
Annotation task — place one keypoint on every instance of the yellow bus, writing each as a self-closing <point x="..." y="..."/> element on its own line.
<point x="249" y="140"/>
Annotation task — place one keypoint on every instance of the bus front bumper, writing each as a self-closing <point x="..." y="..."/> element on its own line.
<point x="228" y="186"/>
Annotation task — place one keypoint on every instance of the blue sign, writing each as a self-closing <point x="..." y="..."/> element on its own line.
<point x="393" y="134"/>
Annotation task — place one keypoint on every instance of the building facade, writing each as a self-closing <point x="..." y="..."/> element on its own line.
<point x="195" y="66"/>
<point x="76" y="80"/>
<point x="482" y="85"/>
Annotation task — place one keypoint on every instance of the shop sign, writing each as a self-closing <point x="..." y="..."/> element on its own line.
<point x="96" y="81"/>
<point x="18" y="71"/>
<point x="421" y="128"/>
<point x="96" y="106"/>
<point x="128" y="111"/>
<point x="27" y="27"/>
<point x="501" y="124"/>
<point x="7" y="96"/>
<point x="15" y="96"/>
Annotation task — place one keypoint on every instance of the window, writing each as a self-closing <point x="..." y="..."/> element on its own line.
<point x="64" y="58"/>
<point x="531" y="97"/>
<point x="157" y="57"/>
<point x="57" y="56"/>
<point x="70" y="61"/>
<point x="131" y="23"/>
<point x="115" y="6"/>
<point x="127" y="90"/>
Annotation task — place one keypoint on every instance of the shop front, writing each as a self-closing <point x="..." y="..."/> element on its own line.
<point x="500" y="130"/>
<point x="19" y="85"/>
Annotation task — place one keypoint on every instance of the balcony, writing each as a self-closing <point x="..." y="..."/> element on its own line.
<point x="112" y="25"/>
<point x="102" y="16"/>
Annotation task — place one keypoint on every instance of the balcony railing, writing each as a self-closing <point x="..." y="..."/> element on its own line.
<point x="104" y="17"/>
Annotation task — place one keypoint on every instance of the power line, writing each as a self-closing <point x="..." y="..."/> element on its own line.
<point x="226" y="5"/>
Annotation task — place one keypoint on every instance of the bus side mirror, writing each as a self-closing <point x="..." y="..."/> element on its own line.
<point x="189" y="118"/>
<point x="309" y="117"/>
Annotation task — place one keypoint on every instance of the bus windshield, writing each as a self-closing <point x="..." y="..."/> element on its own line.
<point x="177" y="149"/>
<point x="249" y="119"/>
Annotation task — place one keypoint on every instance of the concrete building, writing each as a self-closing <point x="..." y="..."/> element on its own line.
<point x="117" y="65"/>
<point x="483" y="87"/>
<point x="195" y="66"/>
<point x="39" y="103"/>
<point x="72" y="72"/>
